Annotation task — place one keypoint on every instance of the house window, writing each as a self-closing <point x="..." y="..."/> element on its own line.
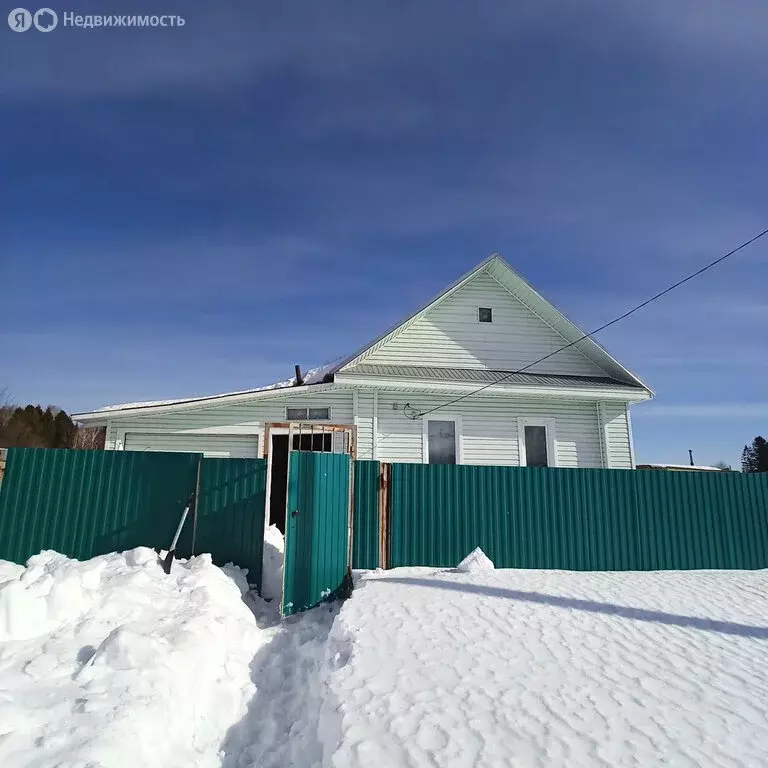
<point x="485" y="314"/>
<point x="536" y="442"/>
<point x="441" y="441"/>
<point x="307" y="414"/>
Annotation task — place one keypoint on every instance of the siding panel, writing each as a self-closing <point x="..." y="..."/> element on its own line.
<point x="489" y="429"/>
<point x="365" y="425"/>
<point x="246" y="418"/>
<point x="451" y="336"/>
<point x="220" y="446"/>
<point x="618" y="445"/>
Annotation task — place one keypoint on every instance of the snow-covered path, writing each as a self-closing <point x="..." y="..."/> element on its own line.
<point x="532" y="668"/>
<point x="281" y="727"/>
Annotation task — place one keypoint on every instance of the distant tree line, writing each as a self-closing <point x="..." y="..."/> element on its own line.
<point x="754" y="457"/>
<point x="33" y="427"/>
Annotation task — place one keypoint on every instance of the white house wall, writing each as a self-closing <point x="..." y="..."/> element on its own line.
<point x="245" y="418"/>
<point x="617" y="436"/>
<point x="365" y="424"/>
<point x="451" y="336"/>
<point x="489" y="426"/>
<point x="489" y="429"/>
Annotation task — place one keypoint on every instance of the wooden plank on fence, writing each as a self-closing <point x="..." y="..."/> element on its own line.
<point x="384" y="506"/>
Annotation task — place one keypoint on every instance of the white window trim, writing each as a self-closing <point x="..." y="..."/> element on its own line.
<point x="477" y="314"/>
<point x="425" y="435"/>
<point x="307" y="408"/>
<point x="549" y="426"/>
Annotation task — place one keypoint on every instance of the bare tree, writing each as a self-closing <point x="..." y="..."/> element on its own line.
<point x="6" y="408"/>
<point x="90" y="438"/>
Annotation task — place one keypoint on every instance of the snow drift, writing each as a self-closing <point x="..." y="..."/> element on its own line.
<point x="110" y="662"/>
<point x="505" y="667"/>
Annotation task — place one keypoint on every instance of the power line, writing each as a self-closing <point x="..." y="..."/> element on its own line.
<point x="602" y="327"/>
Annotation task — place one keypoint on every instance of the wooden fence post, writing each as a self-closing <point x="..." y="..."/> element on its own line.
<point x="385" y="482"/>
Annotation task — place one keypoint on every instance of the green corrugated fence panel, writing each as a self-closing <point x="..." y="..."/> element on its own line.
<point x="702" y="520"/>
<point x="578" y="519"/>
<point x="87" y="503"/>
<point x="365" y="523"/>
<point x="230" y="513"/>
<point x="317" y="529"/>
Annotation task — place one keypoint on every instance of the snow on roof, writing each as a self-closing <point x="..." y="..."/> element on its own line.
<point x="691" y="467"/>
<point x="312" y="376"/>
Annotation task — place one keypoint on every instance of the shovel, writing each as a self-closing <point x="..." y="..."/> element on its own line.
<point x="172" y="551"/>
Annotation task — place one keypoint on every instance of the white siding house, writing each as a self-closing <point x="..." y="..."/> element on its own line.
<point x="445" y="385"/>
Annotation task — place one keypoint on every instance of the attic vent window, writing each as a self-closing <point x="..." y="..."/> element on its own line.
<point x="307" y="414"/>
<point x="485" y="314"/>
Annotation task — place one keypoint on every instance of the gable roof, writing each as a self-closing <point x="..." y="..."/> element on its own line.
<point x="502" y="273"/>
<point x="497" y="268"/>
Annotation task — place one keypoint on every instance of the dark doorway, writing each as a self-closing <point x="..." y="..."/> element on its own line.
<point x="279" y="485"/>
<point x="279" y="452"/>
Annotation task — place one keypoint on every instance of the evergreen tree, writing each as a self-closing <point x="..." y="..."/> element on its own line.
<point x="33" y="427"/>
<point x="63" y="431"/>
<point x="754" y="457"/>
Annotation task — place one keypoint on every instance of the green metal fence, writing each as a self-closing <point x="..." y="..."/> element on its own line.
<point x="365" y="525"/>
<point x="230" y="513"/>
<point x="578" y="519"/>
<point x="88" y="503"/>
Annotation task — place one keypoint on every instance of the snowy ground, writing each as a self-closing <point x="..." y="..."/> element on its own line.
<point x="111" y="663"/>
<point x="537" y="668"/>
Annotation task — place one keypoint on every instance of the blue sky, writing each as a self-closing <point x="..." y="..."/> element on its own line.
<point x="189" y="211"/>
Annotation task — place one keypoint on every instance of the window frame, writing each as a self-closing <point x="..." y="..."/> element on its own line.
<point x="307" y="409"/>
<point x="483" y="322"/>
<point x="457" y="435"/>
<point x="551" y="439"/>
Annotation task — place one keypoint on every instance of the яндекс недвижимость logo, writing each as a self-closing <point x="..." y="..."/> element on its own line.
<point x="44" y="20"/>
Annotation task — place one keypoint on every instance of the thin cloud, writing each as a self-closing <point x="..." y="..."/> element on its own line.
<point x="706" y="410"/>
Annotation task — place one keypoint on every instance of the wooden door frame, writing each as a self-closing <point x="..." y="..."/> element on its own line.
<point x="285" y="428"/>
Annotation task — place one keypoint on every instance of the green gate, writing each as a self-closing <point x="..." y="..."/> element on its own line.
<point x="316" y="566"/>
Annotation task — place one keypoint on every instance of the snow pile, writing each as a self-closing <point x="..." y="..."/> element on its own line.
<point x="475" y="562"/>
<point x="272" y="572"/>
<point x="550" y="668"/>
<point x="111" y="662"/>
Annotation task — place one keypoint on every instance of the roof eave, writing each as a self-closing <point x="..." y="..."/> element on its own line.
<point x="625" y="394"/>
<point x="100" y="418"/>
